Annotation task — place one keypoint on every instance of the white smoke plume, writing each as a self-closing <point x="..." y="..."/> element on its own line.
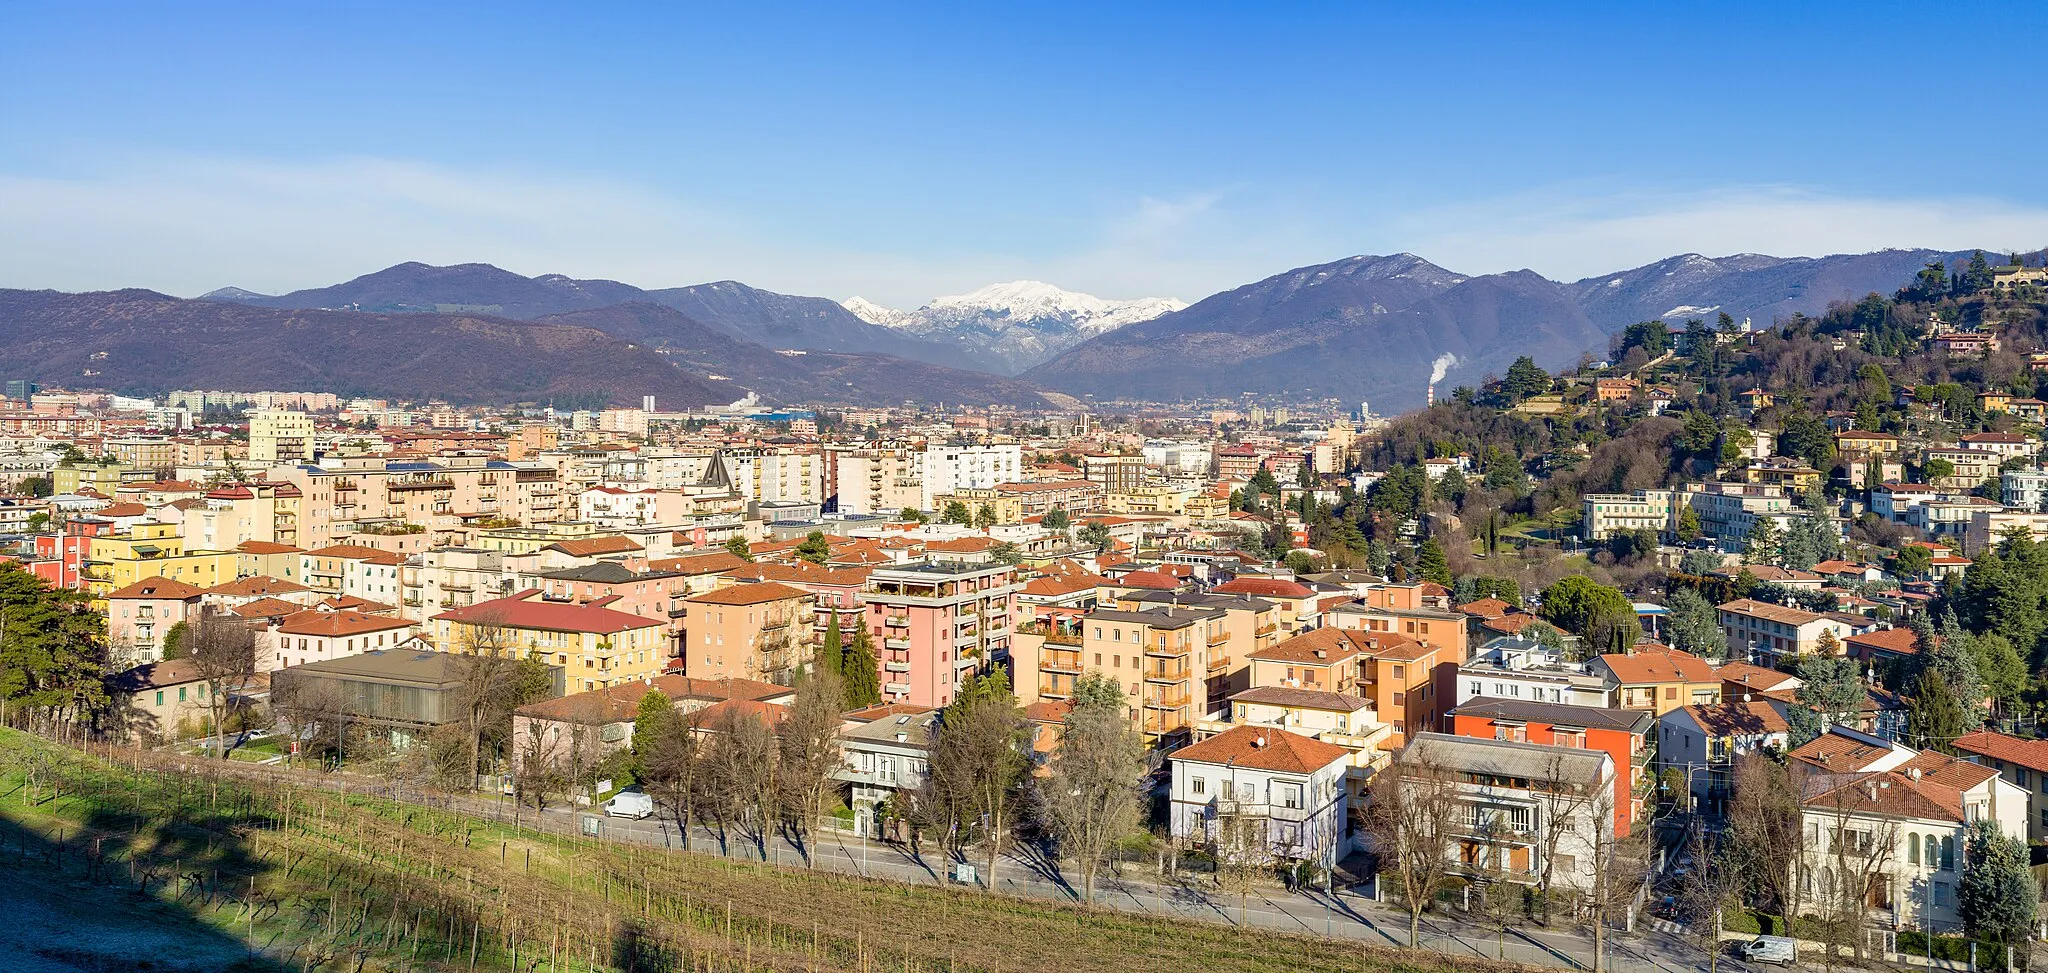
<point x="1443" y="364"/>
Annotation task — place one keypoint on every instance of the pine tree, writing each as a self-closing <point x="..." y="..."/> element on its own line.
<point x="1933" y="717"/>
<point x="1997" y="896"/>
<point x="1432" y="564"/>
<point x="862" y="671"/>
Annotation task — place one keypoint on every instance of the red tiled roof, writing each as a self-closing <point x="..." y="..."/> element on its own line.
<point x="715" y="562"/>
<point x="1149" y="579"/>
<point x="594" y="546"/>
<point x="267" y="608"/>
<point x="524" y="611"/>
<point x="266" y="547"/>
<point x="749" y="594"/>
<point x="800" y="572"/>
<point x="157" y="588"/>
<point x="1658" y="665"/>
<point x="1263" y="748"/>
<point x="1336" y="644"/>
<point x="353" y="552"/>
<point x="2031" y="754"/>
<point x="1486" y="608"/>
<point x="1893" y="641"/>
<point x="338" y="623"/>
<point x="1265" y="588"/>
<point x="257" y="586"/>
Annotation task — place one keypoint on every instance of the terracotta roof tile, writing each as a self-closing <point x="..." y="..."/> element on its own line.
<point x="749" y="594"/>
<point x="1263" y="748"/>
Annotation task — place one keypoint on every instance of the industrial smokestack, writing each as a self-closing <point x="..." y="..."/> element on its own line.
<point x="1429" y="397"/>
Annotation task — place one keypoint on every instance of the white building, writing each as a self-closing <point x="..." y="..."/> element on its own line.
<point x="1294" y="788"/>
<point x="280" y="436"/>
<point x="2024" y="489"/>
<point x="950" y="469"/>
<point x="1905" y="830"/>
<point x="1517" y="796"/>
<point x="1512" y="668"/>
<point x="1703" y="742"/>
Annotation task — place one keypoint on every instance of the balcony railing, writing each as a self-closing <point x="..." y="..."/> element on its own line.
<point x="897" y="621"/>
<point x="1171" y="701"/>
<point x="1055" y="660"/>
<point x="896" y="643"/>
<point x="1168" y="651"/>
<point x="895" y="667"/>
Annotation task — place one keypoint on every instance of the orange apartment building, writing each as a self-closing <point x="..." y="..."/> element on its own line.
<point x="1159" y="656"/>
<point x="1406" y="680"/>
<point x="755" y="631"/>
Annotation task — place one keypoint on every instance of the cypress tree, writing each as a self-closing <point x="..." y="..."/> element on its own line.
<point x="862" y="671"/>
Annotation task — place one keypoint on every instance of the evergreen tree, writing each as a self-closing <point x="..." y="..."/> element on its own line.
<point x="1688" y="525"/>
<point x="650" y="723"/>
<point x="1955" y="656"/>
<point x="832" y="653"/>
<point x="814" y="548"/>
<point x="1934" y="719"/>
<point x="1997" y="897"/>
<point x="1695" y="625"/>
<point x="862" y="670"/>
<point x="1054" y="519"/>
<point x="737" y="547"/>
<point x="1432" y="564"/>
<point x="956" y="512"/>
<point x="1765" y="544"/>
<point x="1831" y="687"/>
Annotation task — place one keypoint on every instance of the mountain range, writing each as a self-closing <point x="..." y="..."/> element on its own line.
<point x="143" y="341"/>
<point x="1371" y="327"/>
<point x="1018" y="324"/>
<point x="1361" y="328"/>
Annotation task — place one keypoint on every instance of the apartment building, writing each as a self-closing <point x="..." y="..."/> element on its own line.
<point x="2023" y="763"/>
<point x="1398" y="674"/>
<point x="1771" y="631"/>
<point x="1519" y="803"/>
<point x="935" y="622"/>
<point x="1159" y="657"/>
<point x="1658" y="679"/>
<point x="595" y="645"/>
<point x="1704" y="742"/>
<point x="141" y="614"/>
<point x="233" y="514"/>
<point x="321" y="634"/>
<point x="758" y="631"/>
<point x="280" y="436"/>
<point x="1625" y="735"/>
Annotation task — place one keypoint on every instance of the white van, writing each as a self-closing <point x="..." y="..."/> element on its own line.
<point x="629" y="804"/>
<point x="1776" y="950"/>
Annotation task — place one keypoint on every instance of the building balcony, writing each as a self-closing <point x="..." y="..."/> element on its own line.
<point x="1162" y="674"/>
<point x="1218" y="663"/>
<point x="1169" y="701"/>
<point x="896" y="643"/>
<point x="1056" y="660"/>
<point x="895" y="667"/>
<point x="1218" y="639"/>
<point x="1167" y="651"/>
<point x="896" y="688"/>
<point x="897" y="621"/>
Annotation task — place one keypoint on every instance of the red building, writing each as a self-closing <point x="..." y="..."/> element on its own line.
<point x="59" y="558"/>
<point x="1624" y="734"/>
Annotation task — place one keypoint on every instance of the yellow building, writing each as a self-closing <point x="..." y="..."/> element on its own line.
<point x="526" y="540"/>
<point x="1148" y="500"/>
<point x="595" y="646"/>
<point x="100" y="478"/>
<point x="115" y="561"/>
<point x="1007" y="508"/>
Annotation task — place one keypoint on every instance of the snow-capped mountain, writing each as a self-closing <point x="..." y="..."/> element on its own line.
<point x="1016" y="324"/>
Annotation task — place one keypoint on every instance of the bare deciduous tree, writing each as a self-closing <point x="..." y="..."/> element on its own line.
<point x="309" y="708"/>
<point x="810" y="754"/>
<point x="1091" y="796"/>
<point x="1244" y="848"/>
<point x="491" y="684"/>
<point x="669" y="763"/>
<point x="1414" y="823"/>
<point x="739" y="773"/>
<point x="975" y="766"/>
<point x="1766" y="841"/>
<point x="537" y="774"/>
<point x="223" y="653"/>
<point x="1563" y="813"/>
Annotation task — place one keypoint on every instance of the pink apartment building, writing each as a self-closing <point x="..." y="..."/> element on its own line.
<point x="934" y="623"/>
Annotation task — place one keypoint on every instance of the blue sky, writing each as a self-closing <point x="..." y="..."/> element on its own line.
<point x="902" y="151"/>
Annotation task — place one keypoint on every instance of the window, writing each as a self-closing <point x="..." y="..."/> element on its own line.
<point x="1671" y="692"/>
<point x="160" y="702"/>
<point x="1197" y="785"/>
<point x="1475" y="688"/>
<point x="1948" y="855"/>
<point x="1912" y="850"/>
<point x="1941" y="894"/>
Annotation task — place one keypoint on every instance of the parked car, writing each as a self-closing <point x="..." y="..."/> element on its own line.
<point x="1776" y="950"/>
<point x="629" y="804"/>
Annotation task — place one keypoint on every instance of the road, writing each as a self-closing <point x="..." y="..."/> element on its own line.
<point x="1342" y="914"/>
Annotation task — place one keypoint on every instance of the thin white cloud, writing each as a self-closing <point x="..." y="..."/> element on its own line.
<point x="1563" y="234"/>
<point x="185" y="225"/>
